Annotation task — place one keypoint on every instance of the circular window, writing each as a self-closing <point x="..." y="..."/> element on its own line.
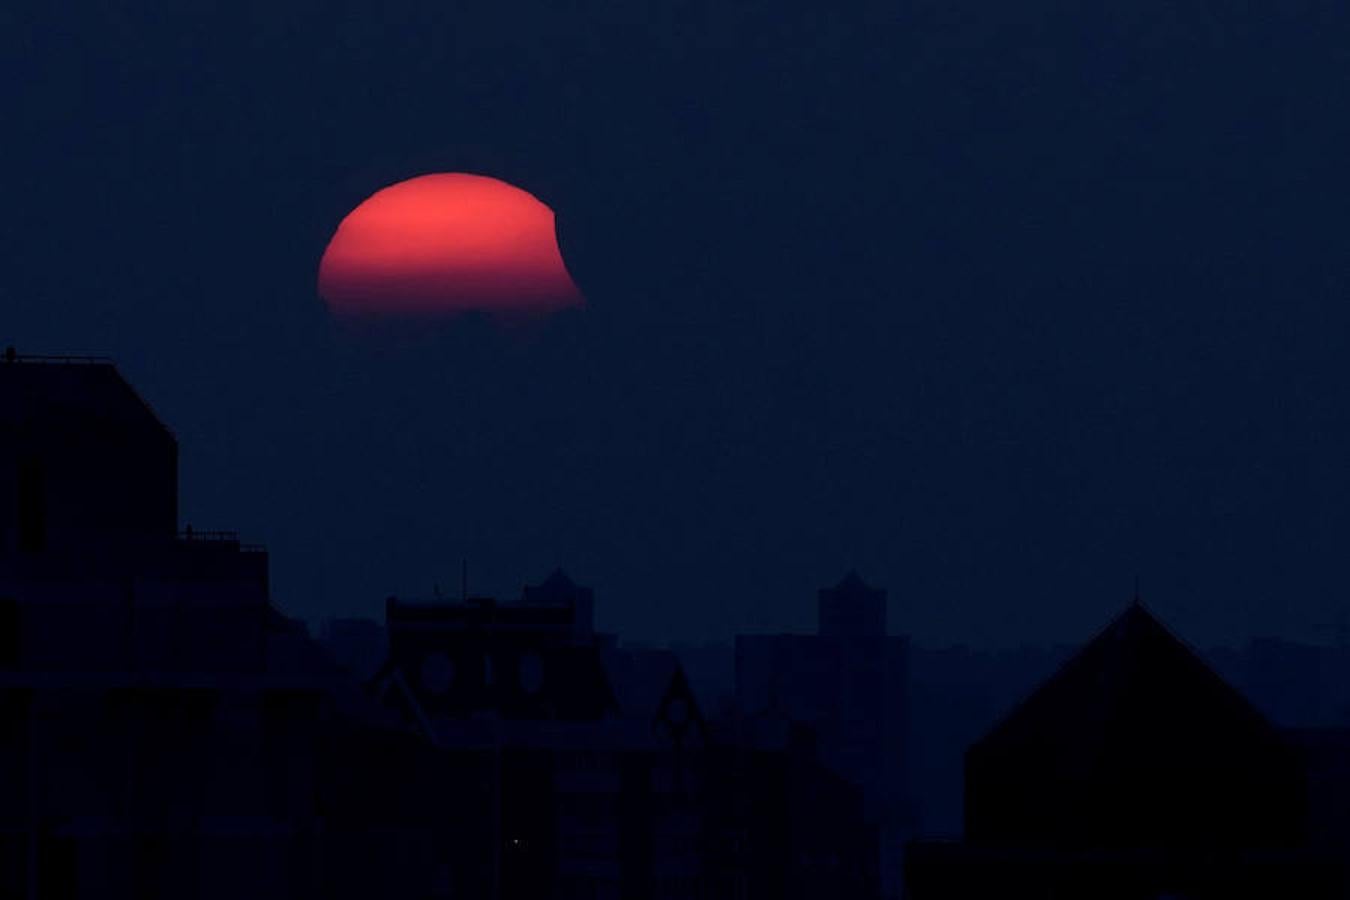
<point x="438" y="673"/>
<point x="531" y="673"/>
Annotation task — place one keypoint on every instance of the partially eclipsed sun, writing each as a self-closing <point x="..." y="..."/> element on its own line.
<point x="444" y="244"/>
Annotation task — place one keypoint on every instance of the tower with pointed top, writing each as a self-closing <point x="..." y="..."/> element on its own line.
<point x="851" y="608"/>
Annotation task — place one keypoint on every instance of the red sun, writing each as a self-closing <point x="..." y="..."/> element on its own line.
<point x="439" y="245"/>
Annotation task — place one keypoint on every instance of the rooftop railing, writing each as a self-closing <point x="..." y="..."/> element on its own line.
<point x="11" y="356"/>
<point x="193" y="536"/>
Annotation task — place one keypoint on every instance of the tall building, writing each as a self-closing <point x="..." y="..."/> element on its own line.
<point x="86" y="468"/>
<point x="161" y="724"/>
<point x="849" y="683"/>
<point x="93" y="568"/>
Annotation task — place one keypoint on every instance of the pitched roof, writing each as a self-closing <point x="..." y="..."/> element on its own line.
<point x="1133" y="696"/>
<point x="1134" y="675"/>
<point x="678" y="715"/>
<point x="1134" y="742"/>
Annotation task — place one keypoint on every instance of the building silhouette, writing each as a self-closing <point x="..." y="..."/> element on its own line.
<point x="160" y="719"/>
<point x="1135" y="771"/>
<point x="601" y="775"/>
<point x="88" y="468"/>
<point x="849" y="684"/>
<point x="165" y="732"/>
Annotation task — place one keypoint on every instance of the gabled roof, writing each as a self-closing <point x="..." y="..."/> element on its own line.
<point x="1134" y="675"/>
<point x="1134" y="742"/>
<point x="678" y="716"/>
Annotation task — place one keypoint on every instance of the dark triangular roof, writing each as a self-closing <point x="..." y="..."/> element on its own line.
<point x="1134" y="741"/>
<point x="1133" y="676"/>
<point x="690" y="722"/>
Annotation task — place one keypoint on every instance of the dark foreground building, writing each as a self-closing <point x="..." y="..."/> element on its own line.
<point x="1135" y="772"/>
<point x="161" y="724"/>
<point x="165" y="732"/>
<point x="599" y="775"/>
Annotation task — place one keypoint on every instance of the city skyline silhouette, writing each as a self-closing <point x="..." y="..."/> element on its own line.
<point x="169" y="731"/>
<point x="738" y="451"/>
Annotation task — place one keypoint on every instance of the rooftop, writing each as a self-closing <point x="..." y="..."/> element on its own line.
<point x="53" y="388"/>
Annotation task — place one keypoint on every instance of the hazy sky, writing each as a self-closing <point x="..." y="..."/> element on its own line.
<point x="1002" y="303"/>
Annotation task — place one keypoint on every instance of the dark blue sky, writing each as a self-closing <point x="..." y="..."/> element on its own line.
<point x="1001" y="303"/>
